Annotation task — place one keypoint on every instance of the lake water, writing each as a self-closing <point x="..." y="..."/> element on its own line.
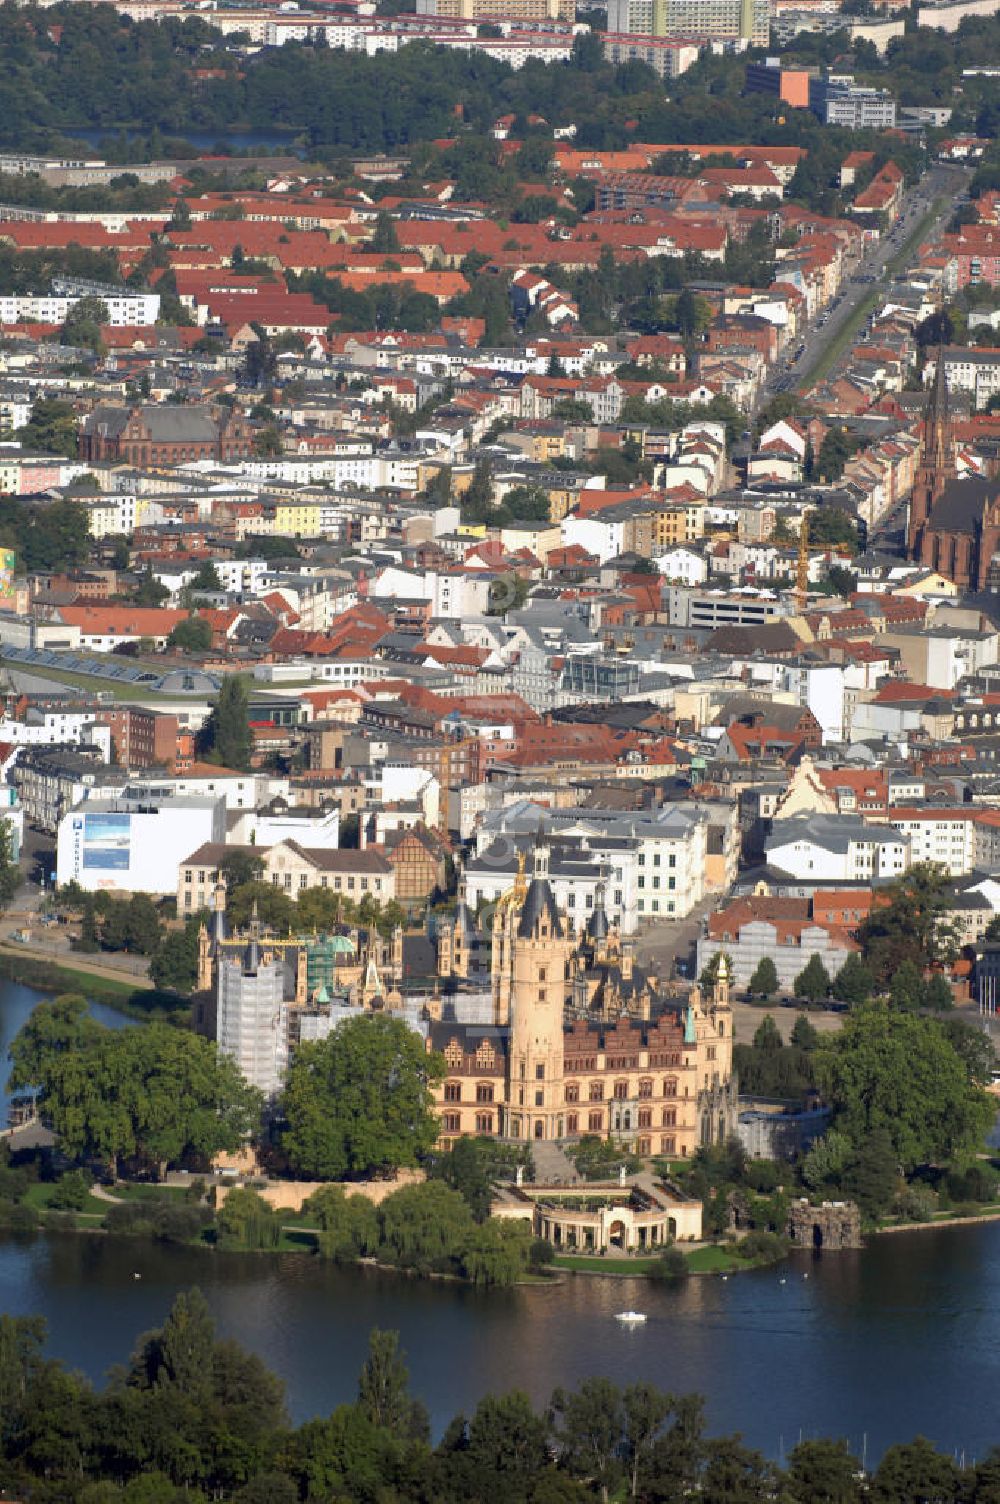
<point x="873" y="1346"/>
<point x="281" y="142"/>
<point x="903" y="1337"/>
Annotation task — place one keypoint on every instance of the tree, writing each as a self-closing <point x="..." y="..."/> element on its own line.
<point x="238" y="867"/>
<point x="226" y="736"/>
<point x="150" y="591"/>
<point x="82" y="326"/>
<point x="915" y="1471"/>
<point x="804" y="1034"/>
<point x="938" y="994"/>
<point x="911" y="925"/>
<point x="873" y="1177"/>
<point x="842" y="580"/>
<point x="246" y="1220"/>
<point x="463" y="1167"/>
<point x="10" y="872"/>
<point x="813" y="981"/>
<point x="506" y="1448"/>
<point x="384" y="239"/>
<point x="191" y="636"/>
<point x="174" y="965"/>
<point x="900" y="1072"/>
<point x="156" y="1093"/>
<point x="906" y="989"/>
<point x="360" y="1102"/>
<point x="142" y="925"/>
<point x="348" y="1224"/>
<point x="52" y="428"/>
<point x="854" y="982"/>
<point x="823" y="1472"/>
<point x="764" y="981"/>
<point x="590" y="1433"/>
<point x="207" y="578"/>
<point x="384" y="1389"/>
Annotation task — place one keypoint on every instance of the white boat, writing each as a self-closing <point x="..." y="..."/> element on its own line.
<point x="630" y="1318"/>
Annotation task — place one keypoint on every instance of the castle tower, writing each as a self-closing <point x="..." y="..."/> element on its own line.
<point x="937" y="458"/>
<point x="541" y="947"/>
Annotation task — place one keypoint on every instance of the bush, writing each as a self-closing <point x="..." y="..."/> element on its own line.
<point x="917" y="1203"/>
<point x="245" y="1220"/>
<point x="763" y="1175"/>
<point x="762" y="1247"/>
<point x="540" y="1254"/>
<point x="15" y="1218"/>
<point x="178" y="1222"/>
<point x="671" y="1266"/>
<point x="978" y="1183"/>
<point x="71" y="1191"/>
<point x="130" y="1219"/>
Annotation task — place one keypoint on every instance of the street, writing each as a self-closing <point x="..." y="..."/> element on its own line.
<point x="796" y="369"/>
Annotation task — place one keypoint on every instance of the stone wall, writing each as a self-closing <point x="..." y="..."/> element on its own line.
<point x="290" y="1195"/>
<point x="835" y="1224"/>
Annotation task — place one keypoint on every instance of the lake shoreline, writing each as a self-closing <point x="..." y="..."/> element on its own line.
<point x="31" y="969"/>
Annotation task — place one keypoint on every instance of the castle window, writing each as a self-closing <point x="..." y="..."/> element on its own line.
<point x="541" y="973"/>
<point x="646" y="1087"/>
<point x="597" y="1091"/>
<point x="539" y="1073"/>
<point x="453" y="1091"/>
<point x="484" y="1122"/>
<point x="484" y="1091"/>
<point x="452" y="1122"/>
<point x="596" y="1122"/>
<point x="621" y="1091"/>
<point x="710" y="1052"/>
<point x="670" y="1087"/>
<point x="669" y="1117"/>
<point x="645" y="1117"/>
<point x="572" y="1122"/>
<point x="572" y="1091"/>
<point x="668" y="1145"/>
<point x="644" y="1146"/>
<point x="539" y="1099"/>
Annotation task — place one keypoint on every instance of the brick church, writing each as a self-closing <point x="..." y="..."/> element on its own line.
<point x="954" y="524"/>
<point x="160" y="434"/>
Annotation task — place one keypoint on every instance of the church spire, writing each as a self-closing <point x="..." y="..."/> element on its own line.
<point x="937" y="459"/>
<point x="937" y="453"/>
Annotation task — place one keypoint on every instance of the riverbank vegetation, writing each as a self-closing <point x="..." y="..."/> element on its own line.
<point x="138" y="1002"/>
<point x="908" y="1122"/>
<point x="191" y="1418"/>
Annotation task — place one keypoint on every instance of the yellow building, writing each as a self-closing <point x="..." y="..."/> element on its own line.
<point x="584" y="1040"/>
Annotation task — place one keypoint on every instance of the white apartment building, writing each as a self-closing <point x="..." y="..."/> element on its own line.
<point x="837" y="848"/>
<point x="126" y="310"/>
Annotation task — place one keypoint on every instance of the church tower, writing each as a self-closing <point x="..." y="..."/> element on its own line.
<point x="541" y="947"/>
<point x="937" y="458"/>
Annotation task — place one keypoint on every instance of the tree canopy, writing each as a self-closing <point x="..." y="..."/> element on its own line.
<point x="154" y="1094"/>
<point x="899" y="1073"/>
<point x="359" y="1102"/>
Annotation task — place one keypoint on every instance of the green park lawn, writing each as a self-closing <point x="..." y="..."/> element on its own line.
<point x="40" y="1196"/>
